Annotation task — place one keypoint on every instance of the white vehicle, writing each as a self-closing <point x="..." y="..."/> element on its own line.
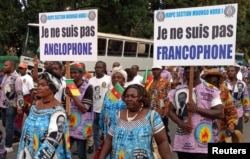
<point x="111" y="48"/>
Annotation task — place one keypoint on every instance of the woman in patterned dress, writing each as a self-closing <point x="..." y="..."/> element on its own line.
<point x="112" y="107"/>
<point x="130" y="136"/>
<point x="46" y="132"/>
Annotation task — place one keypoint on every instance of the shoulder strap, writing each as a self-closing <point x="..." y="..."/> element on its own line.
<point x="152" y="120"/>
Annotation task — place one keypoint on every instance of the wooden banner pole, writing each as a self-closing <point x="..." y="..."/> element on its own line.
<point x="67" y="97"/>
<point x="190" y="85"/>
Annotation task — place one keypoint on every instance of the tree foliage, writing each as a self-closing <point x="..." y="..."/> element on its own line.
<point x="11" y="28"/>
<point x="125" y="17"/>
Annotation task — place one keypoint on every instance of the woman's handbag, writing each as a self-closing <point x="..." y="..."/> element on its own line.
<point x="154" y="146"/>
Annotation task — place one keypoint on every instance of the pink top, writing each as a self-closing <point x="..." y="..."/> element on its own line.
<point x="206" y="97"/>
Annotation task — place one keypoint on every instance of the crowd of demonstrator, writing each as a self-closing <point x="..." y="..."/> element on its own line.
<point x="121" y="109"/>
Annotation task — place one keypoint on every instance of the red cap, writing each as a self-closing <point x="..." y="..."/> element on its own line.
<point x="22" y="65"/>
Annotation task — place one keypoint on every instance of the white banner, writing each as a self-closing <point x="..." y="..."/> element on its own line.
<point x="200" y="36"/>
<point x="68" y="36"/>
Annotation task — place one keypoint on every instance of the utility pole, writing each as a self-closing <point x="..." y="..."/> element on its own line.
<point x="160" y="5"/>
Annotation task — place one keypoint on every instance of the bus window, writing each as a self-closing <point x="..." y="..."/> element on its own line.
<point x="239" y="58"/>
<point x="143" y="50"/>
<point x="110" y="48"/>
<point x="102" y="47"/>
<point x="151" y="51"/>
<point x="115" y="48"/>
<point x="130" y="49"/>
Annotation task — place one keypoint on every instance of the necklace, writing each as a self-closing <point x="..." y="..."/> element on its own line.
<point x="47" y="102"/>
<point x="132" y="118"/>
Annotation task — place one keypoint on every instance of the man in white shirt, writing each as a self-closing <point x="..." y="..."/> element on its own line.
<point x="28" y="84"/>
<point x="28" y="87"/>
<point x="137" y="78"/>
<point x="101" y="83"/>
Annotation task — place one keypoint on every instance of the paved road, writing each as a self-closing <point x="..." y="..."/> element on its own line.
<point x="172" y="127"/>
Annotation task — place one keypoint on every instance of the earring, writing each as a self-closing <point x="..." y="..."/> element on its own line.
<point x="142" y="104"/>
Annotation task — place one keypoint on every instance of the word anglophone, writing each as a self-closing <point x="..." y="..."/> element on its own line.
<point x="68" y="48"/>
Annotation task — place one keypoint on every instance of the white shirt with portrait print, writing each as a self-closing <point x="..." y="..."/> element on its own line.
<point x="100" y="88"/>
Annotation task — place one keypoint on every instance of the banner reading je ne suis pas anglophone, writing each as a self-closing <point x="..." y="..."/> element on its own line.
<point x="68" y="36"/>
<point x="195" y="36"/>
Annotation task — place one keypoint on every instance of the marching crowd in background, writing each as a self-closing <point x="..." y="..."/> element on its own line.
<point x="116" y="108"/>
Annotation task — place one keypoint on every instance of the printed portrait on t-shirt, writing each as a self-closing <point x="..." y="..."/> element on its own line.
<point x="97" y="92"/>
<point x="239" y="95"/>
<point x="9" y="91"/>
<point x="182" y="98"/>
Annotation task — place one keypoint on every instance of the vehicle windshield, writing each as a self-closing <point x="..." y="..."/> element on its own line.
<point x="31" y="43"/>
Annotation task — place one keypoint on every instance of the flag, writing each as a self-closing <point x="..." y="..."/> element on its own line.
<point x="147" y="79"/>
<point x="116" y="92"/>
<point x="72" y="87"/>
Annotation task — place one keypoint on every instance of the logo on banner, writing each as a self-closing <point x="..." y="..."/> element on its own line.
<point x="43" y="18"/>
<point x="229" y="11"/>
<point x="160" y="16"/>
<point x="92" y="15"/>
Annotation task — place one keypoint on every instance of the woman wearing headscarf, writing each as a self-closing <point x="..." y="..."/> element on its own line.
<point x="46" y="132"/>
<point x="111" y="106"/>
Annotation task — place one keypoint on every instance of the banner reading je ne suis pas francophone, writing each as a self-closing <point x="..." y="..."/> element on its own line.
<point x="195" y="36"/>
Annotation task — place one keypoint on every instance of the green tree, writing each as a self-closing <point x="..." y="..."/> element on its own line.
<point x="11" y="28"/>
<point x="125" y="17"/>
<point x="243" y="19"/>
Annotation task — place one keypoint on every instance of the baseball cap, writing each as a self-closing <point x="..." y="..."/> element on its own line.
<point x="22" y="65"/>
<point x="156" y="66"/>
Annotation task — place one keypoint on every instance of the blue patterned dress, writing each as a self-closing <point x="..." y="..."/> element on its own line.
<point x="133" y="139"/>
<point x="109" y="112"/>
<point x="45" y="135"/>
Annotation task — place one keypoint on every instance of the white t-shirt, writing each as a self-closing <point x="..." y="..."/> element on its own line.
<point x="61" y="90"/>
<point x="100" y="87"/>
<point x="28" y="84"/>
<point x="138" y="79"/>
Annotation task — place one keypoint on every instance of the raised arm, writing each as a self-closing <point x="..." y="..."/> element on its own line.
<point x="35" y="69"/>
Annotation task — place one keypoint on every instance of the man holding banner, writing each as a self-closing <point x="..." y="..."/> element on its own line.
<point x="195" y="37"/>
<point x="191" y="139"/>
